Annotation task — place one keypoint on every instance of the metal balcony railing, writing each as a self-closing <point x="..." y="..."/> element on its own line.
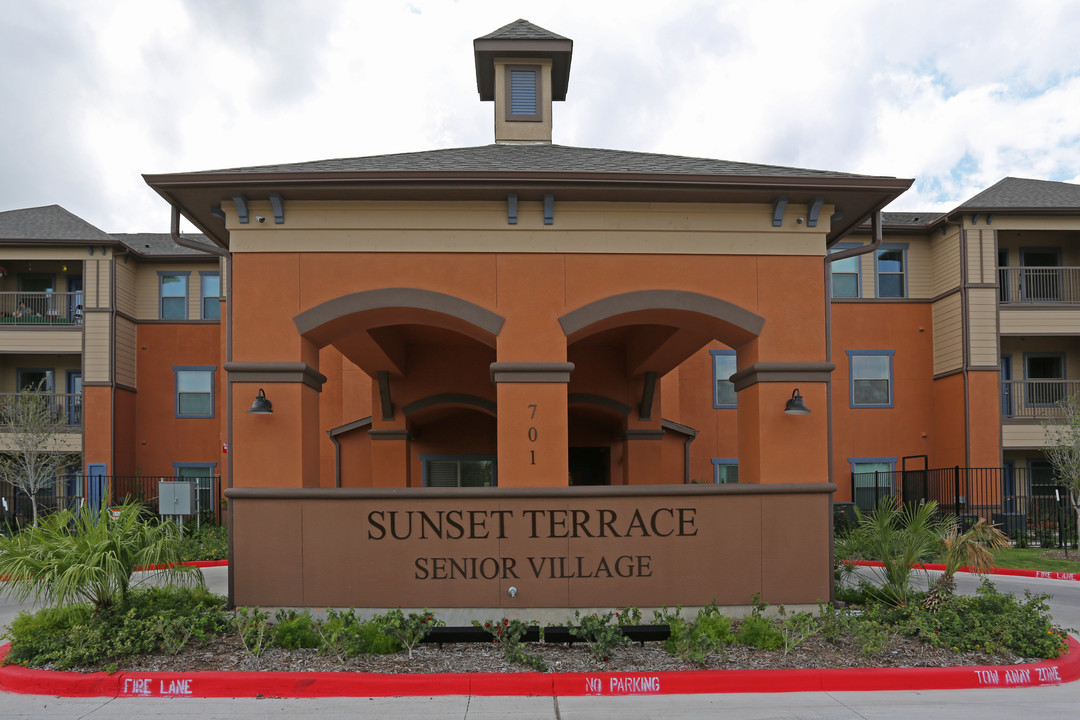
<point x="65" y="407"/>
<point x="1022" y="285"/>
<point x="1036" y="399"/>
<point x="40" y="309"/>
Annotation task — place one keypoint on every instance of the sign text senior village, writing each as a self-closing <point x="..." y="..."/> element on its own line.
<point x="533" y="524"/>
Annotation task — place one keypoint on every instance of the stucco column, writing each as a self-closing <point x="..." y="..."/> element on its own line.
<point x="279" y="450"/>
<point x="533" y="435"/>
<point x="775" y="447"/>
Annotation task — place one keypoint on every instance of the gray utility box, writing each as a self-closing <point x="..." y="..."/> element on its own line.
<point x="176" y="498"/>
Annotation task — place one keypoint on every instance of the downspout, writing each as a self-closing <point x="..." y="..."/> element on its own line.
<point x="965" y="326"/>
<point x="686" y="458"/>
<point x="875" y="244"/>
<point x="227" y="291"/>
<point x="337" y="458"/>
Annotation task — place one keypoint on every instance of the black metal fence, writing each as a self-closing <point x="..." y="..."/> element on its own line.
<point x="75" y="491"/>
<point x="1024" y="503"/>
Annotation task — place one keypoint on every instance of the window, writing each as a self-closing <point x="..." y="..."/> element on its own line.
<point x="845" y="274"/>
<point x="194" y="392"/>
<point x="723" y="389"/>
<point x="211" y="295"/>
<point x="871" y="378"/>
<point x="202" y="474"/>
<point x="459" y="470"/>
<point x="725" y="471"/>
<point x="891" y="268"/>
<point x="523" y="93"/>
<point x="872" y="480"/>
<point x="173" y="292"/>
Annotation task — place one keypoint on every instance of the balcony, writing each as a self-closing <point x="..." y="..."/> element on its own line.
<point x="40" y="309"/>
<point x="1039" y="300"/>
<point x="1026" y="404"/>
<point x="66" y="408"/>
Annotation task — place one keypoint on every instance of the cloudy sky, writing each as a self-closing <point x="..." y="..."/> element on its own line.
<point x="956" y="94"/>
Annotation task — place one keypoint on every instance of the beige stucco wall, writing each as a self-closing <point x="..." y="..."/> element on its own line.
<point x="948" y="334"/>
<point x="98" y="340"/>
<point x="125" y="287"/>
<point x="126" y="338"/>
<point x="66" y="340"/>
<point x="147" y="291"/>
<point x="982" y="333"/>
<point x="677" y="228"/>
<point x="945" y="261"/>
<point x="1022" y="435"/>
<point x="1039" y="321"/>
<point x="518" y="131"/>
<point x="68" y="442"/>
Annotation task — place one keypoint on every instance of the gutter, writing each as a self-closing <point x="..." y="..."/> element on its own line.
<point x="875" y="244"/>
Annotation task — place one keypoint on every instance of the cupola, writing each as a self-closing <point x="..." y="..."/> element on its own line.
<point x="523" y="68"/>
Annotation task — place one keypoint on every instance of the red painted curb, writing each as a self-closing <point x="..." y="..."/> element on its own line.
<point x="17" y="679"/>
<point x="1041" y="574"/>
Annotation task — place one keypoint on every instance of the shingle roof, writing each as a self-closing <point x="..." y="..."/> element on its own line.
<point x="1014" y="193"/>
<point x="50" y="222"/>
<point x="915" y="219"/>
<point x="161" y="243"/>
<point x="560" y="159"/>
<point x="521" y="30"/>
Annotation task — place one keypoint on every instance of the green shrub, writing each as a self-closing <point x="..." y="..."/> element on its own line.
<point x="506" y="635"/>
<point x="695" y="641"/>
<point x="156" y="619"/>
<point x="409" y="629"/>
<point x="344" y="635"/>
<point x="293" y="630"/>
<point x="208" y="542"/>
<point x="758" y="631"/>
<point x="601" y="635"/>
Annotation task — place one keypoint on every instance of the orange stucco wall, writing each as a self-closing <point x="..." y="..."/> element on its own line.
<point x="911" y="426"/>
<point x="531" y="292"/>
<point x="160" y="438"/>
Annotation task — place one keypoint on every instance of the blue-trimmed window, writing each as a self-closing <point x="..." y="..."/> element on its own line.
<point x="846" y="274"/>
<point x="871" y="373"/>
<point x="172" y="293"/>
<point x="202" y="474"/>
<point x="459" y="470"/>
<point x="890" y="269"/>
<point x="194" y="391"/>
<point x="725" y="471"/>
<point x="872" y="480"/>
<point x="210" y="288"/>
<point x="724" y="366"/>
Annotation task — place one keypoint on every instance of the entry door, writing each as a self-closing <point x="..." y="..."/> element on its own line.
<point x="95" y="489"/>
<point x="590" y="465"/>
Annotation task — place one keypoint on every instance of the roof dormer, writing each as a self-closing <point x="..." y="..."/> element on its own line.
<point x="523" y="68"/>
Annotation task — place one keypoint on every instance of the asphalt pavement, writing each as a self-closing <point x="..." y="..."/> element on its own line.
<point x="991" y="704"/>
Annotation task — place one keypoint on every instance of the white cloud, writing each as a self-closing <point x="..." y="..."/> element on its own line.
<point x="947" y="93"/>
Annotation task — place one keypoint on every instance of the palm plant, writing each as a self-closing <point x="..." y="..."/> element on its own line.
<point x="971" y="548"/>
<point x="900" y="537"/>
<point x="90" y="556"/>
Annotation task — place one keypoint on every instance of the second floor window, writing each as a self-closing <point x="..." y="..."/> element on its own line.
<point x="845" y="277"/>
<point x="194" y="392"/>
<point x="891" y="272"/>
<point x="211" y="296"/>
<point x="871" y="378"/>
<point x="173" y="303"/>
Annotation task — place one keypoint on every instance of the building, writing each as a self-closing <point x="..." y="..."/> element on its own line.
<point x="527" y="375"/>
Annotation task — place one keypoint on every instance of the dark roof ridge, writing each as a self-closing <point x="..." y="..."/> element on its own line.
<point x="521" y="29"/>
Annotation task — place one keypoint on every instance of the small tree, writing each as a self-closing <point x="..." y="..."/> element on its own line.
<point x="1063" y="448"/>
<point x="37" y="452"/>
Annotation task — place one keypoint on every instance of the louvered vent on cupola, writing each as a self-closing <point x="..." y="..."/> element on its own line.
<point x="523" y="68"/>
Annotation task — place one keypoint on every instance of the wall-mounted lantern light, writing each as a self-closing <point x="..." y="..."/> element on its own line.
<point x="795" y="406"/>
<point x="262" y="406"/>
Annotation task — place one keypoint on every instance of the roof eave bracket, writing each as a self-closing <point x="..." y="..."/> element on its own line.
<point x="278" y="205"/>
<point x="778" y="211"/>
<point x="511" y="208"/>
<point x="241" y="208"/>
<point x="814" y="213"/>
